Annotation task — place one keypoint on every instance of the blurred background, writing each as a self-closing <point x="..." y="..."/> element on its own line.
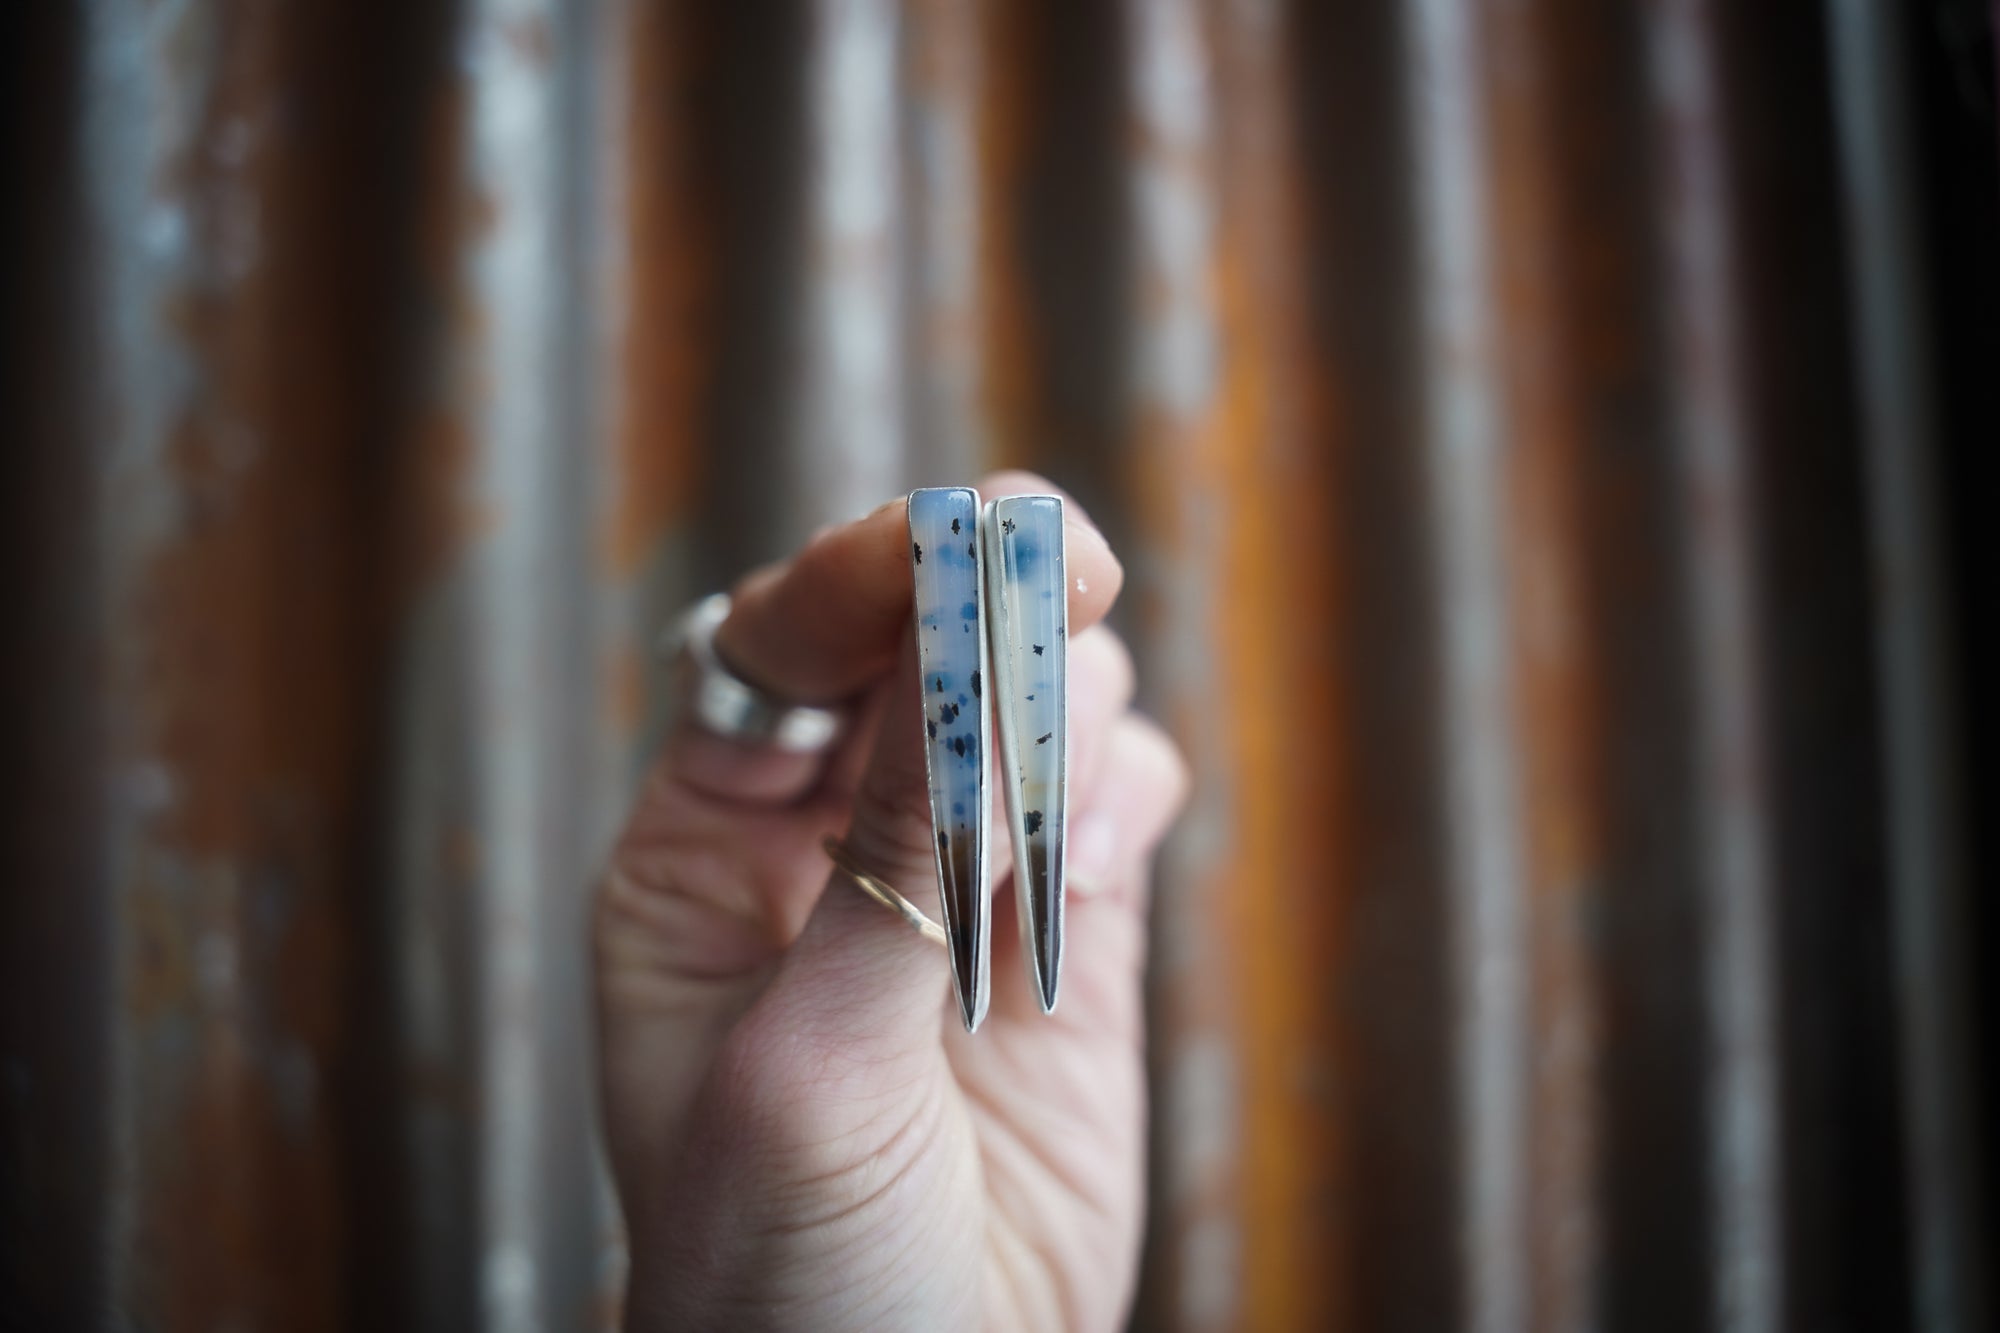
<point x="1543" y="437"/>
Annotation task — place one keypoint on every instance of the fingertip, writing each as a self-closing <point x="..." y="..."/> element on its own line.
<point x="1019" y="481"/>
<point x="1095" y="572"/>
<point x="823" y="625"/>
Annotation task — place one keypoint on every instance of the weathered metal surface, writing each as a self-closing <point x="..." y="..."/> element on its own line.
<point x="1460" y="432"/>
<point x="1179" y="565"/>
<point x="1536" y="71"/>
<point x="1562" y="935"/>
<point x="1711" y="439"/>
<point x="1280" y="579"/>
<point x="940" y="116"/>
<point x="231" y="716"/>
<point x="496" y="675"/>
<point x="55" y="979"/>
<point x="1925" y="805"/>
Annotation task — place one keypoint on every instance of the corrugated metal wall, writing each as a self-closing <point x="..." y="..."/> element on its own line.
<point x="1540" y="435"/>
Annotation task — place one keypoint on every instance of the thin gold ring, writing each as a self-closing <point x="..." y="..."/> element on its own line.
<point x="881" y="892"/>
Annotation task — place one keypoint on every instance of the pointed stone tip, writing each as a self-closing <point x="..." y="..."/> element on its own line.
<point x="971" y="1005"/>
<point x="964" y="975"/>
<point x="1048" y="966"/>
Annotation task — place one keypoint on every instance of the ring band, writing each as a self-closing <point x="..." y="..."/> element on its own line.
<point x="727" y="705"/>
<point x="881" y="892"/>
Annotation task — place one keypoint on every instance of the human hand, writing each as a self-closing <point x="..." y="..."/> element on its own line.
<point x="801" y="1133"/>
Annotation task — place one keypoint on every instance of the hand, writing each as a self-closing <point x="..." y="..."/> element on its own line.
<point x="802" y="1134"/>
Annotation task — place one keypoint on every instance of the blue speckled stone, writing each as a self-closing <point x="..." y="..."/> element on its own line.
<point x="951" y="650"/>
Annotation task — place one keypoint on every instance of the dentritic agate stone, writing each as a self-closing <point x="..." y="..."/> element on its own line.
<point x="951" y="649"/>
<point x="1029" y="603"/>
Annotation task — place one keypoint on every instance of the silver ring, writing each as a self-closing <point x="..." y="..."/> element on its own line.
<point x="729" y="706"/>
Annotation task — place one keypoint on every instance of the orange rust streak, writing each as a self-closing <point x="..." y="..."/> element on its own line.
<point x="1279" y="609"/>
<point x="1268" y="739"/>
<point x="1534" y="62"/>
<point x="436" y="515"/>
<point x="666" y="299"/>
<point x="667" y="357"/>
<point x="1007" y="101"/>
<point x="238" y="631"/>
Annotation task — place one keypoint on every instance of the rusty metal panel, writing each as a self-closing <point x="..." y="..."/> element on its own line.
<point x="494" y="676"/>
<point x="230" y="743"/>
<point x="1528" y="424"/>
<point x="1551" y="385"/>
<point x="1181" y="561"/>
<point x="1460" y="435"/>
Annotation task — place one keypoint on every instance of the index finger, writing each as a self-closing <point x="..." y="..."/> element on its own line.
<point x="822" y="626"/>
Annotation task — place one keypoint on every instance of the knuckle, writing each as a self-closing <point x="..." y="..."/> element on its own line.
<point x="696" y="913"/>
<point x="1102" y="666"/>
<point x="1145" y="749"/>
<point x="892" y="827"/>
<point x="629" y="922"/>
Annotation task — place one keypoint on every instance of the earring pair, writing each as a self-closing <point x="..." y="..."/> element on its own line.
<point x="992" y="625"/>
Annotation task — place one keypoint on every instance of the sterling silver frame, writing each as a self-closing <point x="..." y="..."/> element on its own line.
<point x="1027" y="596"/>
<point x="947" y="568"/>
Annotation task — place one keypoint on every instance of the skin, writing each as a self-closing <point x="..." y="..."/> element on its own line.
<point x="801" y="1133"/>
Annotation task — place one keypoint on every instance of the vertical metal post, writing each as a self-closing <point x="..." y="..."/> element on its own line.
<point x="1463" y="439"/>
<point x="1918" y="691"/>
<point x="1178" y="568"/>
<point x="847" y="438"/>
<point x="1712" y="446"/>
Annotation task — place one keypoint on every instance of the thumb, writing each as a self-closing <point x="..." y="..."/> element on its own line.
<point x="859" y="977"/>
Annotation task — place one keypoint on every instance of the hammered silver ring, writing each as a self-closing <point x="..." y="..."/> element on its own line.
<point x="726" y="705"/>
